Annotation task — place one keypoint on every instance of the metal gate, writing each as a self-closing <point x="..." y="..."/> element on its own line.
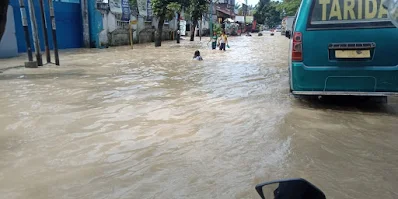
<point x="68" y="22"/>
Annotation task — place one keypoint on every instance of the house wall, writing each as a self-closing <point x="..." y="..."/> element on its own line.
<point x="95" y="24"/>
<point x="111" y="31"/>
<point x="115" y="32"/>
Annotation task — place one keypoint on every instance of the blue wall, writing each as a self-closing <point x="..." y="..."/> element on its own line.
<point x="68" y="19"/>
<point x="95" y="24"/>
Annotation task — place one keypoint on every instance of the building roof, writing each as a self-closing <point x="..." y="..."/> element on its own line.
<point x="223" y="8"/>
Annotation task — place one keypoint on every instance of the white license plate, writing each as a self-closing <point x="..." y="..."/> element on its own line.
<point x="352" y="53"/>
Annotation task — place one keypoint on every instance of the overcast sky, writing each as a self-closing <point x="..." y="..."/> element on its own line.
<point x="250" y="2"/>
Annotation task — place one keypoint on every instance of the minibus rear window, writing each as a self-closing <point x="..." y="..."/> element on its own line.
<point x="341" y="14"/>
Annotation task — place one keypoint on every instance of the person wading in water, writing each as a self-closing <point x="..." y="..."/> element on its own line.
<point x="223" y="41"/>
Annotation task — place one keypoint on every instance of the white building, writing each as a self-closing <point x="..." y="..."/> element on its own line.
<point x="116" y="32"/>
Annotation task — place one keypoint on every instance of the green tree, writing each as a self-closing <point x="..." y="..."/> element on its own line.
<point x="240" y="11"/>
<point x="3" y="16"/>
<point x="261" y="11"/>
<point x="133" y="2"/>
<point x="166" y="9"/>
<point x="178" y="7"/>
<point x="196" y="10"/>
<point x="237" y="6"/>
<point x="163" y="9"/>
<point x="289" y="7"/>
<point x="273" y="16"/>
<point x="251" y="9"/>
<point x="267" y="13"/>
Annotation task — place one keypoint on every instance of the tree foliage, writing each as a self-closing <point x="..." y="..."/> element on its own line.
<point x="166" y="9"/>
<point x="160" y="8"/>
<point x="173" y="8"/>
<point x="196" y="9"/>
<point x="250" y="10"/>
<point x="133" y="2"/>
<point x="289" y="7"/>
<point x="237" y="6"/>
<point x="240" y="11"/>
<point x="271" y="12"/>
<point x="267" y="13"/>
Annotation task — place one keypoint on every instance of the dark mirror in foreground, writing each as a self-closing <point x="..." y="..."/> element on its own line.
<point x="289" y="189"/>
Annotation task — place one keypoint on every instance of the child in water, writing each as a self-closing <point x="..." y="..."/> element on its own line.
<point x="214" y="40"/>
<point x="223" y="41"/>
<point x="197" y="56"/>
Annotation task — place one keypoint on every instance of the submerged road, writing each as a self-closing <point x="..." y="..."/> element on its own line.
<point x="152" y="123"/>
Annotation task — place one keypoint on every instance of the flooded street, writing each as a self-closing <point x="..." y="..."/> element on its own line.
<point x="152" y="123"/>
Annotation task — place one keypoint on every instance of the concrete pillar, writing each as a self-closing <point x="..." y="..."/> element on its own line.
<point x="86" y="28"/>
<point x="36" y="41"/>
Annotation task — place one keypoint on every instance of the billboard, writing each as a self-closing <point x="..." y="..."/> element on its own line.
<point x="125" y="10"/>
<point x="120" y="7"/>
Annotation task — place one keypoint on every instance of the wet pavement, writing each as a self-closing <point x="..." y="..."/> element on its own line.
<point x="152" y="123"/>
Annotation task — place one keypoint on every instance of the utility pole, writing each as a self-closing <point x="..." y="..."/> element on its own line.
<point x="178" y="27"/>
<point x="200" y="29"/>
<point x="86" y="31"/>
<point x="30" y="63"/>
<point x="138" y="29"/>
<point x="244" y="14"/>
<point x="36" y="41"/>
<point x="54" y="33"/>
<point x="44" y="22"/>
<point x="231" y="9"/>
<point x="211" y="18"/>
<point x="131" y="34"/>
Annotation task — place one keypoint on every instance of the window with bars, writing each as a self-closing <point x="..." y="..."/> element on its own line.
<point x="122" y="24"/>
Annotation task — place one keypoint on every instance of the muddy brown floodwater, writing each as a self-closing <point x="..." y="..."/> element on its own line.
<point x="152" y="123"/>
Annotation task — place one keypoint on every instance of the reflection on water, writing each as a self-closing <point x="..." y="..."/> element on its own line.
<point x="152" y="123"/>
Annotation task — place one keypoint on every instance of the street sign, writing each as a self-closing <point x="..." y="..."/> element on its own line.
<point x="133" y="22"/>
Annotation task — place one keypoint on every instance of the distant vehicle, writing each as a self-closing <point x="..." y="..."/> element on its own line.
<point x="272" y="32"/>
<point x="278" y="28"/>
<point x="347" y="54"/>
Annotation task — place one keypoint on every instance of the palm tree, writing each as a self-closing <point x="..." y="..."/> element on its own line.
<point x="237" y="6"/>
